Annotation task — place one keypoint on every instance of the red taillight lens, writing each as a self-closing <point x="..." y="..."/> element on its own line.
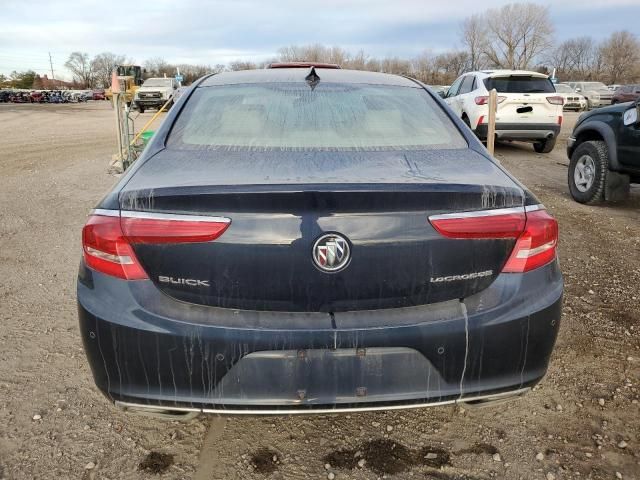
<point x="537" y="244"/>
<point x="108" y="251"/>
<point x="555" y="100"/>
<point x="484" y="100"/>
<point x="484" y="224"/>
<point x="480" y="120"/>
<point x="163" y="230"/>
<point x="536" y="233"/>
<point x="107" y="239"/>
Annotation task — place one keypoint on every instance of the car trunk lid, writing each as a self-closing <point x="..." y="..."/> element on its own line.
<point x="379" y="202"/>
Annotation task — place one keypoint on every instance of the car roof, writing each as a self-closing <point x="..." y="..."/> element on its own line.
<point x="298" y="75"/>
<point x="503" y="72"/>
<point x="302" y="65"/>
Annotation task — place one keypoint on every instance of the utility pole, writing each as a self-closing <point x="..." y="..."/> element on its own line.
<point x="51" y="64"/>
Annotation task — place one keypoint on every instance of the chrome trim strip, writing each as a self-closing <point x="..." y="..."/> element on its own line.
<point x="319" y="411"/>
<point x="105" y="213"/>
<point x="478" y="213"/>
<point x="173" y="216"/>
<point x="534" y="208"/>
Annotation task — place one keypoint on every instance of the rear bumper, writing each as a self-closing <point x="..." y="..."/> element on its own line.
<point x="602" y="102"/>
<point x="146" y="349"/>
<point x="521" y="131"/>
<point x="574" y="105"/>
<point x="150" y="102"/>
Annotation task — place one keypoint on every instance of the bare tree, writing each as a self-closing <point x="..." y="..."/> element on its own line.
<point x="516" y="34"/>
<point x="241" y="65"/>
<point x="158" y="67"/>
<point x="449" y="66"/>
<point x="474" y="37"/>
<point x="103" y="65"/>
<point x="358" y="61"/>
<point x="80" y="67"/>
<point x="621" y="57"/>
<point x="396" y="65"/>
<point x="422" y="67"/>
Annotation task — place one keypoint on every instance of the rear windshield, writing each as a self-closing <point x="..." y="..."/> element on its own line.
<point x="328" y="117"/>
<point x="158" y="82"/>
<point x="519" y="84"/>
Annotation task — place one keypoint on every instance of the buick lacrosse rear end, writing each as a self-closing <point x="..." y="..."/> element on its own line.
<point x="303" y="240"/>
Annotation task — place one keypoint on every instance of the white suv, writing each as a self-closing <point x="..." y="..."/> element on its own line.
<point x="528" y="107"/>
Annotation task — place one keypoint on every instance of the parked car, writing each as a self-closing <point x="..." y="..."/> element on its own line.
<point x="613" y="87"/>
<point x="5" y="96"/>
<point x="37" y="96"/>
<point x="596" y="93"/>
<point x="604" y="153"/>
<point x="528" y="108"/>
<point x="316" y="240"/>
<point x="572" y="100"/>
<point x="154" y="93"/>
<point x="626" y="93"/>
<point x="98" y="94"/>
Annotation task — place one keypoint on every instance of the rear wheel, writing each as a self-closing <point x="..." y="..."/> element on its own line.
<point x="588" y="172"/>
<point x="545" y="146"/>
<point x="140" y="108"/>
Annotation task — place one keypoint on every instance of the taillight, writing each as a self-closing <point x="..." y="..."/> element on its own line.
<point x="108" y="251"/>
<point x="555" y="100"/>
<point x="536" y="233"/>
<point x="484" y="100"/>
<point x="560" y="120"/>
<point x="536" y="246"/>
<point x="497" y="223"/>
<point x="480" y="120"/>
<point x="141" y="227"/>
<point x="108" y="235"/>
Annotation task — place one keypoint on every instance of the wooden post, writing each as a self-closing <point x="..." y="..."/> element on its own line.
<point x="117" y="108"/>
<point x="491" y="127"/>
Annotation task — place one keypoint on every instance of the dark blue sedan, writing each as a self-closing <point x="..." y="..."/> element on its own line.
<point x="300" y="240"/>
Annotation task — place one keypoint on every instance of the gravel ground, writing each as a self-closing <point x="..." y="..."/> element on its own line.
<point x="582" y="421"/>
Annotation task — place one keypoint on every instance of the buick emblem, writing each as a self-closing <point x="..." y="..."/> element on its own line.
<point x="331" y="252"/>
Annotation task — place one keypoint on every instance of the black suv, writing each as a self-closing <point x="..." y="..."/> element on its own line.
<point x="604" y="150"/>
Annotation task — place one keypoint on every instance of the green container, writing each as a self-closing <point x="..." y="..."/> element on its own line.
<point x="146" y="136"/>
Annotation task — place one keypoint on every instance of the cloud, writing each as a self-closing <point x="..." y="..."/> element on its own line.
<point x="221" y="31"/>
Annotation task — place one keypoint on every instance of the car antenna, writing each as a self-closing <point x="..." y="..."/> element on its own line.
<point x="312" y="79"/>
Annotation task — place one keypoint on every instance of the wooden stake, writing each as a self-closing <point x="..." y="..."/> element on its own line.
<point x="491" y="127"/>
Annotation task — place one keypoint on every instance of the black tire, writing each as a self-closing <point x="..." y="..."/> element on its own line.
<point x="545" y="146"/>
<point x="140" y="108"/>
<point x="597" y="151"/>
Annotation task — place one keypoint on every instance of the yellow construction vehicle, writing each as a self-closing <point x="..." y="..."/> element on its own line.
<point x="130" y="78"/>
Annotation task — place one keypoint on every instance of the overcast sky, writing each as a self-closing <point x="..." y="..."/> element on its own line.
<point x="211" y="32"/>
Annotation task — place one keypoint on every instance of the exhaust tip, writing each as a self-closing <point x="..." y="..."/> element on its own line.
<point x="497" y="399"/>
<point x="163" y="413"/>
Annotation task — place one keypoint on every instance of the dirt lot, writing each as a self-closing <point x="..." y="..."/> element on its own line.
<point x="582" y="421"/>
